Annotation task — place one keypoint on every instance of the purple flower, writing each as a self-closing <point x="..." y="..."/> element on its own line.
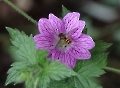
<point x="64" y="38"/>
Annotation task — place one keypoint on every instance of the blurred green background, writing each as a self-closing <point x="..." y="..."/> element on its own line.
<point x="102" y="20"/>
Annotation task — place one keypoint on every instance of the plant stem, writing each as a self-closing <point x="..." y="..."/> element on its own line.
<point x="112" y="69"/>
<point x="20" y="11"/>
<point x="36" y="82"/>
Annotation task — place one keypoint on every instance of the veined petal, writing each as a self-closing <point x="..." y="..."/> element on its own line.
<point x="44" y="26"/>
<point x="81" y="25"/>
<point x="80" y="53"/>
<point x="71" y="21"/>
<point x="65" y="58"/>
<point x="85" y="41"/>
<point x="69" y="60"/>
<point x="56" y="23"/>
<point x="56" y="54"/>
<point x="75" y="33"/>
<point x="44" y="41"/>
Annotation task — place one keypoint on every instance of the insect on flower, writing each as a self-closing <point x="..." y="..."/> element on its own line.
<point x="64" y="38"/>
<point x="63" y="41"/>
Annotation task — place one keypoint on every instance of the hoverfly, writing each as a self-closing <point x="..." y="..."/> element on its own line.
<point x="63" y="41"/>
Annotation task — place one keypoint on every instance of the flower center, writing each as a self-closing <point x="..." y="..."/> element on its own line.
<point x="63" y="41"/>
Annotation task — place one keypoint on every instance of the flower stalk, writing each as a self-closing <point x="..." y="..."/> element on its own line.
<point x="36" y="82"/>
<point x="112" y="69"/>
<point x="21" y="12"/>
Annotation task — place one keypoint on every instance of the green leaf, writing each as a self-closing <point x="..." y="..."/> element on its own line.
<point x="57" y="71"/>
<point x="54" y="71"/>
<point x="18" y="66"/>
<point x="21" y="77"/>
<point x="44" y="80"/>
<point x="64" y="11"/>
<point x="92" y="67"/>
<point x="12" y="77"/>
<point x="100" y="47"/>
<point x="16" y="72"/>
<point x="41" y="57"/>
<point x="85" y="30"/>
<point x="84" y="82"/>
<point x="29" y="82"/>
<point x="66" y="83"/>
<point x="24" y="46"/>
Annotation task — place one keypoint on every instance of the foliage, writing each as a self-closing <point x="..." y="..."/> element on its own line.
<point x="64" y="11"/>
<point x="86" y="70"/>
<point x="34" y="67"/>
<point x="37" y="71"/>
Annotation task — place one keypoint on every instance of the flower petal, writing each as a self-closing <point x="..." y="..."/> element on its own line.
<point x="75" y="33"/>
<point x="69" y="60"/>
<point x="80" y="53"/>
<point x="45" y="27"/>
<point x="85" y="41"/>
<point x="64" y="58"/>
<point x="56" y="23"/>
<point x="81" y="25"/>
<point x="71" y="21"/>
<point x="56" y="54"/>
<point x="44" y="41"/>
